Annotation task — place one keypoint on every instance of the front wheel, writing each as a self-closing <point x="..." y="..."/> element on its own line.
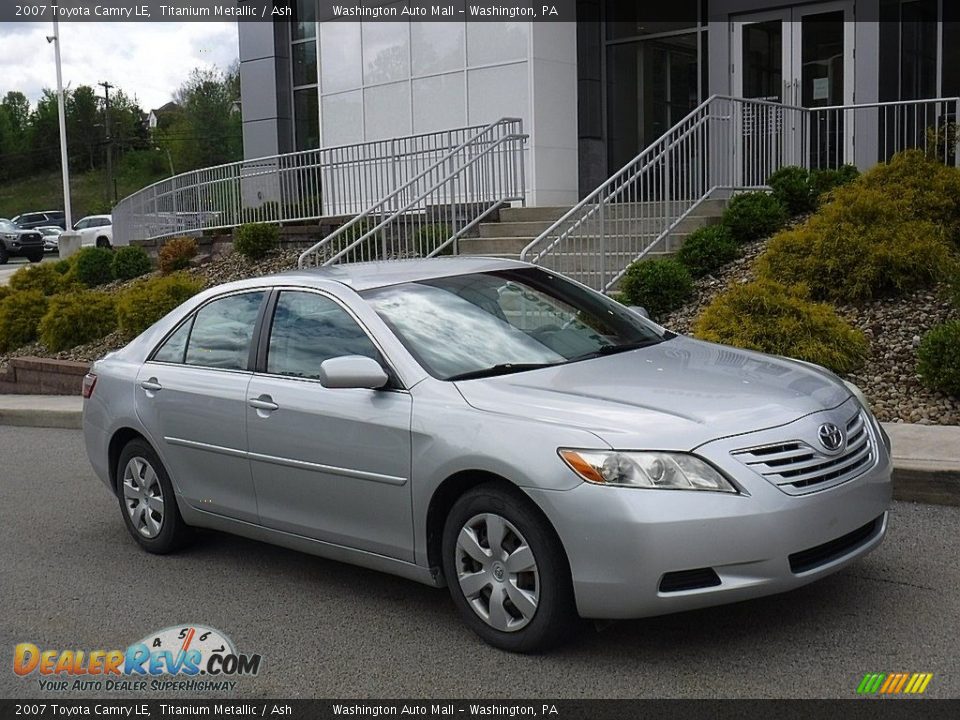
<point x="146" y="498"/>
<point x="506" y="571"/>
<point x="35" y="257"/>
<point x="4" y="255"/>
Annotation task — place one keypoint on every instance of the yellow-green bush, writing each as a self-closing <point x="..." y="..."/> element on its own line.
<point x="20" y="314"/>
<point x="44" y="278"/>
<point x="939" y="358"/>
<point x="176" y="254"/>
<point x="141" y="305"/>
<point x="857" y="247"/>
<point x="782" y="320"/>
<point x="77" y="318"/>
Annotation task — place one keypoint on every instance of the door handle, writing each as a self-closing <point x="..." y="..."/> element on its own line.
<point x="264" y="402"/>
<point x="151" y="385"/>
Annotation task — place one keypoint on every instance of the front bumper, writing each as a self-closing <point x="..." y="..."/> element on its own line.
<point x="623" y="542"/>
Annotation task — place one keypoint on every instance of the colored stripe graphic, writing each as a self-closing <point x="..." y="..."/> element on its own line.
<point x="894" y="683"/>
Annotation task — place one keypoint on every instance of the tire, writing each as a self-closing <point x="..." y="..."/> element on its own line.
<point x="35" y="257"/>
<point x="102" y="242"/>
<point x="140" y="474"/>
<point x="4" y="255"/>
<point x="475" y="577"/>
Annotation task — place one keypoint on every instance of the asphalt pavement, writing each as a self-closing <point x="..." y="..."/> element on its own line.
<point x="15" y="263"/>
<point x="71" y="578"/>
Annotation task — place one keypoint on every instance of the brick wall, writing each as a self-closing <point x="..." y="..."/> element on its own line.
<point x="42" y="376"/>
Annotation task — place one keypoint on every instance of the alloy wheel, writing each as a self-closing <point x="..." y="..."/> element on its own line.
<point x="497" y="572"/>
<point x="143" y="497"/>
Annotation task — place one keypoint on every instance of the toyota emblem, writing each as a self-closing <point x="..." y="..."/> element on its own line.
<point x="831" y="437"/>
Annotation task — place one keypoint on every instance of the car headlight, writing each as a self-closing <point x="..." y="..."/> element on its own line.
<point x="663" y="470"/>
<point x="858" y="394"/>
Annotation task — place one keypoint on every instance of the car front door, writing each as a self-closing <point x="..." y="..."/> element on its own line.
<point x="192" y="397"/>
<point x="329" y="464"/>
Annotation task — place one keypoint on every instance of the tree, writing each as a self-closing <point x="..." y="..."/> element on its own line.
<point x="85" y="131"/>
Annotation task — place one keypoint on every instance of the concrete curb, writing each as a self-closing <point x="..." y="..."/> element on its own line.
<point x="41" y="418"/>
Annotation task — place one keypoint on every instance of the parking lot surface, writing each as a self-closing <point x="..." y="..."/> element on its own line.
<point x="15" y="263"/>
<point x="71" y="578"/>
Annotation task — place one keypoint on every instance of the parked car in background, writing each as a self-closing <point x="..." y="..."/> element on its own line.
<point x="17" y="242"/>
<point x="51" y="236"/>
<point x="488" y="425"/>
<point x="95" y="231"/>
<point x="33" y="220"/>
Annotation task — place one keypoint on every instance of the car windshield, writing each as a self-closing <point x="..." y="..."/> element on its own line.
<point x="493" y="323"/>
<point x="7" y="226"/>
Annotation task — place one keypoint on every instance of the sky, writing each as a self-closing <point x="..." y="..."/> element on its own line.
<point x="147" y="60"/>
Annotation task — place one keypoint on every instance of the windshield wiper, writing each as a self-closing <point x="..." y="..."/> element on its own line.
<point x="501" y="369"/>
<point x="614" y="349"/>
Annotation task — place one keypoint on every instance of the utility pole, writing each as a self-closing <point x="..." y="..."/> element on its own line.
<point x="111" y="190"/>
<point x="68" y="215"/>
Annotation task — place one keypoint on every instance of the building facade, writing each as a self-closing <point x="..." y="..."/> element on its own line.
<point x="591" y="93"/>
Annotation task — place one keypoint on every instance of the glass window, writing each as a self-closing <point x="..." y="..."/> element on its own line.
<point x="386" y="52"/>
<point x="175" y="346"/>
<point x="307" y="116"/>
<point x="502" y="321"/>
<point x="304" y="23"/>
<point x="340" y="65"/>
<point x="494" y="42"/>
<point x="305" y="63"/>
<point x="308" y="329"/>
<point x="222" y="332"/>
<point x="628" y="18"/>
<point x="436" y="47"/>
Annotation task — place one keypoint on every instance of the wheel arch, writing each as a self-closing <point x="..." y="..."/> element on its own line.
<point x="450" y="490"/>
<point x="118" y="441"/>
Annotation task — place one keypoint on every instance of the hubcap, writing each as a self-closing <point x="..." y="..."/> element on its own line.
<point x="497" y="572"/>
<point x="143" y="497"/>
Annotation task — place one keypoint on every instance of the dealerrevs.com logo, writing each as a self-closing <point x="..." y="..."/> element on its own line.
<point x="186" y="657"/>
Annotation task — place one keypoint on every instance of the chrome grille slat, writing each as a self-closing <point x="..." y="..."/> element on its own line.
<point x="797" y="467"/>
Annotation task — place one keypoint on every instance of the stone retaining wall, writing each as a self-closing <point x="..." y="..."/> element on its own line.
<point x="42" y="376"/>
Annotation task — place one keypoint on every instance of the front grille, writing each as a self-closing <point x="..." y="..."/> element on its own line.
<point x="798" y="468"/>
<point x="31" y="238"/>
<point x="814" y="557"/>
<point x="689" y="580"/>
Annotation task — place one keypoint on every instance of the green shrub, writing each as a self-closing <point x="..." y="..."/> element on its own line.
<point x="77" y="318"/>
<point x="63" y="266"/>
<point x="130" y="262"/>
<point x="708" y="249"/>
<point x="828" y="179"/>
<point x="429" y="237"/>
<point x="753" y="215"/>
<point x="255" y="240"/>
<point x="44" y="278"/>
<point x="141" y="305"/>
<point x="857" y="247"/>
<point x="20" y="314"/>
<point x="660" y="285"/>
<point x="4" y="291"/>
<point x="92" y="266"/>
<point x="176" y="254"/>
<point x="782" y="320"/>
<point x="791" y="186"/>
<point x="939" y="358"/>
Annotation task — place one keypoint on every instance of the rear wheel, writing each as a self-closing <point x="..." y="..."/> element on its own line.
<point x="146" y="498"/>
<point x="4" y="255"/>
<point x="102" y="242"/>
<point x="506" y="571"/>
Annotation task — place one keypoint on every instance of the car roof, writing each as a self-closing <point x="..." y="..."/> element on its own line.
<point x="368" y="275"/>
<point x="97" y="217"/>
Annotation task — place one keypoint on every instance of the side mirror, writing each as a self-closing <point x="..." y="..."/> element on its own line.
<point x="641" y="311"/>
<point x="352" y="371"/>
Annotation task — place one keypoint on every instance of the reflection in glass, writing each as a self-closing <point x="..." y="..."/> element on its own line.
<point x="305" y="63"/>
<point x="304" y="24"/>
<point x="222" y="332"/>
<point x="493" y="42"/>
<point x="436" y="47"/>
<point x="306" y="110"/>
<point x="342" y="118"/>
<point x="763" y="60"/>
<point x="340" y="65"/>
<point x="386" y="52"/>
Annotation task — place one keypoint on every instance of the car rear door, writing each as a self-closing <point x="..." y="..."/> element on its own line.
<point x="330" y="464"/>
<point x="192" y="397"/>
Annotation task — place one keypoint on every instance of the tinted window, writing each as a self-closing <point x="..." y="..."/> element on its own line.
<point x="308" y="329"/>
<point x="82" y="224"/>
<point x="222" y="332"/>
<point x="175" y="346"/>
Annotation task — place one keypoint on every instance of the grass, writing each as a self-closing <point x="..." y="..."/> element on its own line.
<point x="88" y="191"/>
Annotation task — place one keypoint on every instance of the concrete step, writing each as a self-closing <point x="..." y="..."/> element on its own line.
<point x="513" y="229"/>
<point x="532" y="214"/>
<point x="511" y="246"/>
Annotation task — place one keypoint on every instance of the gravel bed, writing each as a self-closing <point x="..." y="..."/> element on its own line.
<point x="893" y="326"/>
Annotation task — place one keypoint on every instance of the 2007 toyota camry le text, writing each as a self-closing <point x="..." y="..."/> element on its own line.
<point x="489" y="426"/>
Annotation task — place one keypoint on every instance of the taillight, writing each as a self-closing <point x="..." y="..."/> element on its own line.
<point x="89" y="383"/>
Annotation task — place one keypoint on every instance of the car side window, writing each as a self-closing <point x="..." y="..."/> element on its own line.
<point x="222" y="332"/>
<point x="82" y="225"/>
<point x="307" y="329"/>
<point x="174" y="347"/>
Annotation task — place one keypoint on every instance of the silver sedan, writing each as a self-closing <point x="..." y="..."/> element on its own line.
<point x="543" y="451"/>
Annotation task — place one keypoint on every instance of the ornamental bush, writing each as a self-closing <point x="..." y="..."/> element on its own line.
<point x="791" y="186"/>
<point x="77" y="318"/>
<point x="141" y="305"/>
<point x="660" y="285"/>
<point x="828" y="179"/>
<point x="176" y="254"/>
<point x="753" y="215"/>
<point x="782" y="320"/>
<point x="708" y="249"/>
<point x="44" y="278"/>
<point x="20" y="314"/>
<point x="130" y="262"/>
<point x="255" y="240"/>
<point x="939" y="358"/>
<point x="92" y="266"/>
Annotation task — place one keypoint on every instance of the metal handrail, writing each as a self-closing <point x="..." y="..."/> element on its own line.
<point x="403" y="221"/>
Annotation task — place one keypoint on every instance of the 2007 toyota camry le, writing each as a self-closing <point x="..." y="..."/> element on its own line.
<point x="543" y="451"/>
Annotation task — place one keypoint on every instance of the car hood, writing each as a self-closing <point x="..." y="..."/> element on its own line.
<point x="675" y="395"/>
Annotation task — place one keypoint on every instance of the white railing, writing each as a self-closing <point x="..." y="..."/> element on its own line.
<point x="725" y="145"/>
<point x="290" y="188"/>
<point x="428" y="214"/>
